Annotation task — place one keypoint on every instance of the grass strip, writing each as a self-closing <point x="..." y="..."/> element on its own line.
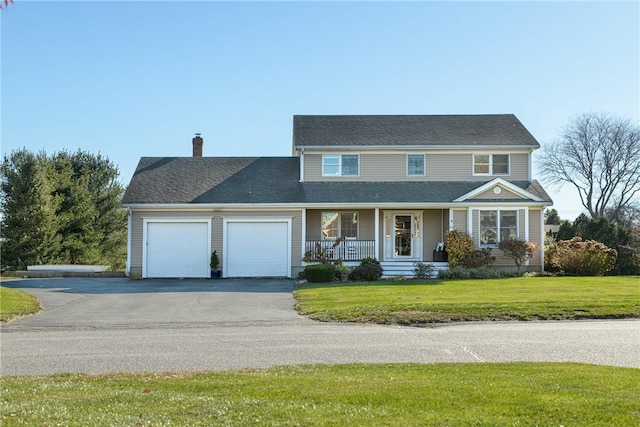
<point x="426" y="301"/>
<point x="343" y="395"/>
<point x="15" y="303"/>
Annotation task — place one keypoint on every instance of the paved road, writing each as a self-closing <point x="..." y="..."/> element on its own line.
<point x="114" y="325"/>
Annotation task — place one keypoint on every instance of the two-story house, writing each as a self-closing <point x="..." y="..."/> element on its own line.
<point x="391" y="186"/>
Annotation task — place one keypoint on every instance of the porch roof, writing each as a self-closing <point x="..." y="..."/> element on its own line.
<point x="403" y="192"/>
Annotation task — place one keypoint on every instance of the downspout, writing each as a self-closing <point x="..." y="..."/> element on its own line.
<point x="129" y="233"/>
<point x="302" y="165"/>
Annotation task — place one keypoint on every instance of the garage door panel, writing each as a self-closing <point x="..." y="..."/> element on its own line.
<point x="177" y="249"/>
<point x="257" y="249"/>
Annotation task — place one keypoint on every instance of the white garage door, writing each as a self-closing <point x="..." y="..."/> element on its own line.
<point x="257" y="249"/>
<point x="178" y="249"/>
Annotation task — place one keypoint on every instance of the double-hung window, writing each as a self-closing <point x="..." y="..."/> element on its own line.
<point x="491" y="164"/>
<point x="498" y="225"/>
<point x="340" y="165"/>
<point x="339" y="224"/>
<point x="415" y="165"/>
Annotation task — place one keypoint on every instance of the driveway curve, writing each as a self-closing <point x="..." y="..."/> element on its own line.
<point x="121" y="325"/>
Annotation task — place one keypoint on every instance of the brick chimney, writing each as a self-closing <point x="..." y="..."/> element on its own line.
<point x="197" y="145"/>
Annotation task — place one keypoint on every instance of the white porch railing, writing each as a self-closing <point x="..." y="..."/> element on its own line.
<point x="347" y="250"/>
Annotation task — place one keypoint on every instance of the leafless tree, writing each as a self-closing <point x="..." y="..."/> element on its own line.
<point x="599" y="154"/>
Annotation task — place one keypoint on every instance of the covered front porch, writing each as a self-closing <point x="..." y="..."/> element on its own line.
<point x="396" y="237"/>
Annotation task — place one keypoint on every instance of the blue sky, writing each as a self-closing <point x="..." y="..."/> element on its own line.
<point x="132" y="79"/>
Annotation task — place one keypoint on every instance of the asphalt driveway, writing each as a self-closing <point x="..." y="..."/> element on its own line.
<point x="121" y="325"/>
<point x="122" y="303"/>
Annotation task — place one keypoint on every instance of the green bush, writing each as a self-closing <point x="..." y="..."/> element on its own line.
<point x="320" y="273"/>
<point x="483" y="272"/>
<point x="584" y="258"/>
<point x="368" y="270"/>
<point x="478" y="258"/>
<point x="519" y="250"/>
<point x="423" y="270"/>
<point x="458" y="245"/>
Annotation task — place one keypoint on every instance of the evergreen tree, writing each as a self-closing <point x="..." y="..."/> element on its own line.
<point x="29" y="222"/>
<point x="61" y="209"/>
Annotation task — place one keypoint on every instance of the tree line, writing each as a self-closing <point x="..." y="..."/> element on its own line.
<point x="62" y="208"/>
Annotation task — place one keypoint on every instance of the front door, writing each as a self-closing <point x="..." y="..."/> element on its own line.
<point x="402" y="235"/>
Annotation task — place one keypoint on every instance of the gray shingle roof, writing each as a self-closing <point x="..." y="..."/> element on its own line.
<point x="215" y="180"/>
<point x="275" y="180"/>
<point x="411" y="130"/>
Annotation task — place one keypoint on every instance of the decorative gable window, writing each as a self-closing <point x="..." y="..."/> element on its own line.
<point x="491" y="164"/>
<point x="415" y="165"/>
<point x="340" y="165"/>
<point x="339" y="224"/>
<point x="498" y="225"/>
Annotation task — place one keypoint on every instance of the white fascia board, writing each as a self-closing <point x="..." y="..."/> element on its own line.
<point x="445" y="148"/>
<point x="502" y="182"/>
<point x="279" y="207"/>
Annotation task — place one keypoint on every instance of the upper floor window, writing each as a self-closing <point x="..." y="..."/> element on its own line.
<point x="415" y="164"/>
<point x="339" y="224"/>
<point x="340" y="165"/>
<point x="491" y="164"/>
<point x="497" y="225"/>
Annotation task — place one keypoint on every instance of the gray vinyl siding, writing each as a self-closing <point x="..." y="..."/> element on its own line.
<point x="138" y="217"/>
<point x="504" y="195"/>
<point x="433" y="232"/>
<point x="534" y="236"/>
<point x="460" y="220"/>
<point x="393" y="167"/>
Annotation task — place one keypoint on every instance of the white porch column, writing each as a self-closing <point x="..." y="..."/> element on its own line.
<point x="542" y="236"/>
<point x="304" y="232"/>
<point x="376" y="237"/>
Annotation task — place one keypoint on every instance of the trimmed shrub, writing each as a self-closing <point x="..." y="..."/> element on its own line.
<point x="474" y="273"/>
<point x="458" y="245"/>
<point x="320" y="273"/>
<point x="423" y="270"/>
<point x="583" y="258"/>
<point x="478" y="258"/>
<point x="519" y="250"/>
<point x="368" y="270"/>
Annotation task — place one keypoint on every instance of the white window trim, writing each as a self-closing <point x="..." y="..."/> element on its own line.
<point x="339" y="155"/>
<point x="340" y="225"/>
<point x="424" y="165"/>
<point x="497" y="210"/>
<point x="473" y="164"/>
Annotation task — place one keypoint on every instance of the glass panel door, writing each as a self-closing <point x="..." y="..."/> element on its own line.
<point x="402" y="236"/>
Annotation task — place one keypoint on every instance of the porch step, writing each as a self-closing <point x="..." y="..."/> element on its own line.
<point x="391" y="269"/>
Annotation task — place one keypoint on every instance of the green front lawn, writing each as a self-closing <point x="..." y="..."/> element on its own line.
<point x="544" y="394"/>
<point x="15" y="303"/>
<point x="522" y="298"/>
